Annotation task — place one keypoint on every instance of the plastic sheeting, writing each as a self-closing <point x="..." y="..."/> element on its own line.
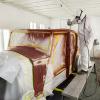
<point x="15" y="70"/>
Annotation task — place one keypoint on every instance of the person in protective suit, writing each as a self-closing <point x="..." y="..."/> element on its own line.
<point x="86" y="38"/>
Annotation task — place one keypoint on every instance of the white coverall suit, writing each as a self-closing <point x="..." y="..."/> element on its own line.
<point x="85" y="43"/>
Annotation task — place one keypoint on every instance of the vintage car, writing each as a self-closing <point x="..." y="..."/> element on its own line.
<point x="46" y="58"/>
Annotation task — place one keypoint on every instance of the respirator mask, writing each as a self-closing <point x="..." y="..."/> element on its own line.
<point x="76" y="20"/>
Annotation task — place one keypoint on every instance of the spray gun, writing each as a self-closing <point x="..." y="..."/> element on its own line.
<point x="76" y="20"/>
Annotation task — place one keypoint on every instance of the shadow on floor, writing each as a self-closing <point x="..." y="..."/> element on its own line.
<point x="2" y="88"/>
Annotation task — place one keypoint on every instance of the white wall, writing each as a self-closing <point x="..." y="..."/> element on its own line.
<point x="1" y="41"/>
<point x="4" y="39"/>
<point x="12" y="18"/>
<point x="58" y="23"/>
<point x="96" y="30"/>
<point x="6" y="36"/>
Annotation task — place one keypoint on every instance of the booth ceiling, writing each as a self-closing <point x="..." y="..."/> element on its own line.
<point x="57" y="8"/>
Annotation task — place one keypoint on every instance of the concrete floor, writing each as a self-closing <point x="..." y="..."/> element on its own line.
<point x="90" y="88"/>
<point x="91" y="85"/>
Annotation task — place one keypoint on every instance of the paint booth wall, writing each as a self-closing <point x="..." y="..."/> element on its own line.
<point x="12" y="18"/>
<point x="58" y="23"/>
<point x="95" y="23"/>
<point x="96" y="30"/>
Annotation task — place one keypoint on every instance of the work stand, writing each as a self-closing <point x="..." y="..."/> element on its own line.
<point x="75" y="87"/>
